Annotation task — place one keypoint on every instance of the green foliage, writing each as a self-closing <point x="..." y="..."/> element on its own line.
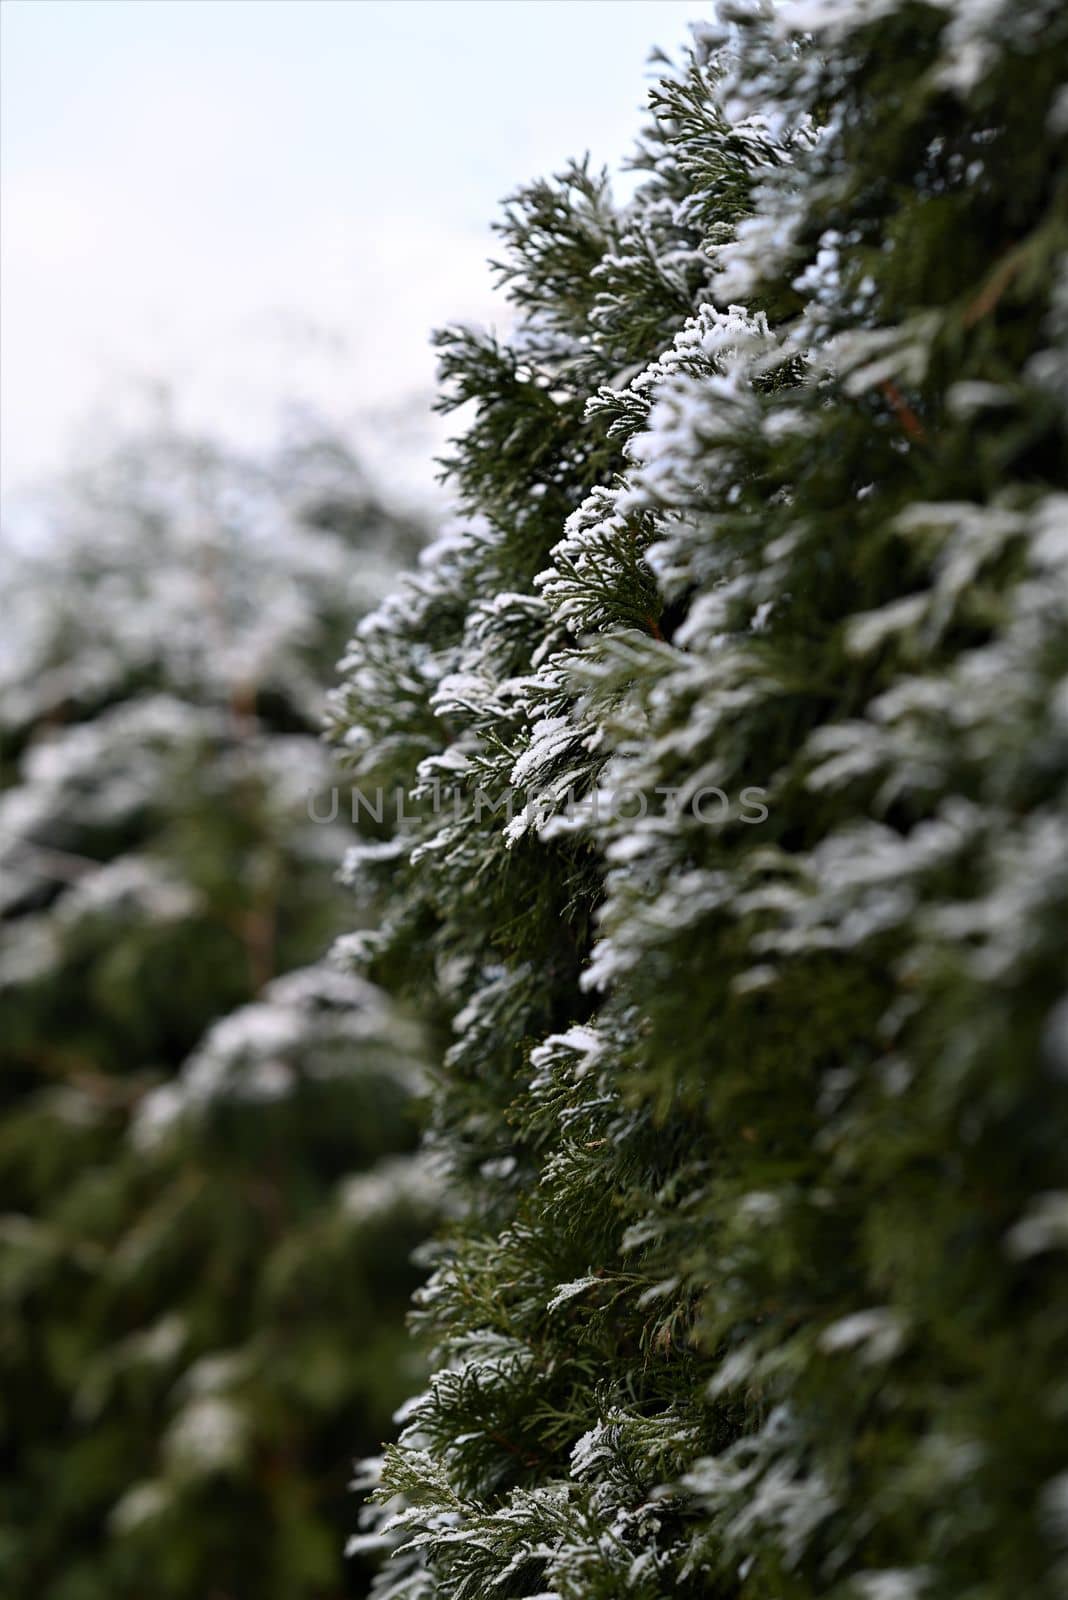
<point x="208" y="1212"/>
<point x="756" y="1105"/>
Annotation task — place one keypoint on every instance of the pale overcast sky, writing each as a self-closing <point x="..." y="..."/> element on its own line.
<point x="260" y="201"/>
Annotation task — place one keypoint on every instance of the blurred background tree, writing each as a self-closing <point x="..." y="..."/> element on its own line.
<point x="208" y="1196"/>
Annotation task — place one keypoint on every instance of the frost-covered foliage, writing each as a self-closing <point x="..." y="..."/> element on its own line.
<point x="757" y="1083"/>
<point x="206" y="1213"/>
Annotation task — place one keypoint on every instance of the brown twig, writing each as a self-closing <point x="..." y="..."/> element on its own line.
<point x="994" y="288"/>
<point x="904" y="412"/>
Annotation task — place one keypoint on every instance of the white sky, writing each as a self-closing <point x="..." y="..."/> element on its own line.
<point x="258" y="201"/>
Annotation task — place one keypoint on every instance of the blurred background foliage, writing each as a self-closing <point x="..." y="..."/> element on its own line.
<point x="208" y="1193"/>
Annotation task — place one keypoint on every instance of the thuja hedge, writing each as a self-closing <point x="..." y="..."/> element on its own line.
<point x="757" y="1131"/>
<point x="207" y="1195"/>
